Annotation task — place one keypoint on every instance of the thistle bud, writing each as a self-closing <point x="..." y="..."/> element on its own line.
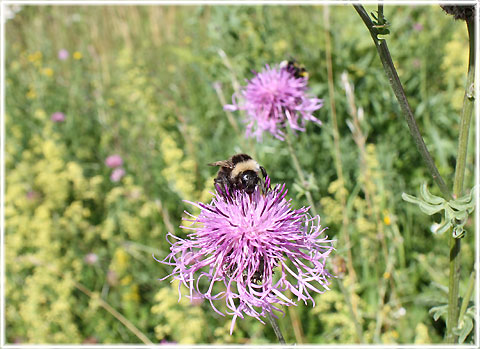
<point x="465" y="12"/>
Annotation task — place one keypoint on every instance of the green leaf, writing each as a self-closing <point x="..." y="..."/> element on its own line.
<point x="430" y="198"/>
<point x="424" y="206"/>
<point x="438" y="311"/>
<point x="443" y="228"/>
<point x="463" y="332"/>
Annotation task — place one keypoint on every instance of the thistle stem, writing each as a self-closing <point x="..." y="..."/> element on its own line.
<point x="397" y="87"/>
<point x="301" y="176"/>
<point x="455" y="244"/>
<point x="276" y="328"/>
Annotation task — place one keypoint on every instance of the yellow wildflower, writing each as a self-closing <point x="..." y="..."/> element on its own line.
<point x="47" y="71"/>
<point x="387" y="220"/>
<point x="77" y="55"/>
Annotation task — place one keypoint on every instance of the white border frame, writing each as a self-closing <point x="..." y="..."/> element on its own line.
<point x="3" y="343"/>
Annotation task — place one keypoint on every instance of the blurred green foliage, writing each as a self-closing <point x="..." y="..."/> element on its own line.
<point x="146" y="82"/>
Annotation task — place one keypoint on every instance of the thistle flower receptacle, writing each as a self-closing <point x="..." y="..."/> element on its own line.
<point x="463" y="12"/>
<point x="274" y="99"/>
<point x="254" y="247"/>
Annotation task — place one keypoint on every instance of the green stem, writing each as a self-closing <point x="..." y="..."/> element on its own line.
<point x="467" y="111"/>
<point x="336" y="142"/>
<point x="466" y="298"/>
<point x="276" y="328"/>
<point x="397" y="87"/>
<point x="297" y="166"/>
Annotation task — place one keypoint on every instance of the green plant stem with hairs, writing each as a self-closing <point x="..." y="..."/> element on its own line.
<point x="276" y="328"/>
<point x="397" y="87"/>
<point x="455" y="244"/>
<point x="301" y="176"/>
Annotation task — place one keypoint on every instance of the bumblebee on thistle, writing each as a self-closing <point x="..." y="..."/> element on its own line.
<point x="242" y="238"/>
<point x="275" y="98"/>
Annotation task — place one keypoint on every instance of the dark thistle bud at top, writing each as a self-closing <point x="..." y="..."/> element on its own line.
<point x="464" y="12"/>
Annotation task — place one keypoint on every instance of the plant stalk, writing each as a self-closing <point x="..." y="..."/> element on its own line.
<point x="397" y="87"/>
<point x="276" y="328"/>
<point x="455" y="244"/>
<point x="466" y="298"/>
<point x="336" y="144"/>
<point x="301" y="176"/>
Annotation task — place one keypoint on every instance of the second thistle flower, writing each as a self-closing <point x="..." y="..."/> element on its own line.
<point x="274" y="99"/>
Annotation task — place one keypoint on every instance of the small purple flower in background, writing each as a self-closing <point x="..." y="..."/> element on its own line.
<point x="114" y="161"/>
<point x="165" y="342"/>
<point x="63" y="54"/>
<point x="91" y="258"/>
<point x="241" y="242"/>
<point x="418" y="27"/>
<point x="58" y="117"/>
<point x="273" y="98"/>
<point x="117" y="174"/>
<point x="32" y="195"/>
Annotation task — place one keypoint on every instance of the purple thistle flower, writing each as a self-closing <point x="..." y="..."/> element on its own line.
<point x="58" y="117"/>
<point x="117" y="174"/>
<point x="114" y="161"/>
<point x="257" y="247"/>
<point x="63" y="54"/>
<point x="273" y="98"/>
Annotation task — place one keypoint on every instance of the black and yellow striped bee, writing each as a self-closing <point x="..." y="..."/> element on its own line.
<point x="298" y="70"/>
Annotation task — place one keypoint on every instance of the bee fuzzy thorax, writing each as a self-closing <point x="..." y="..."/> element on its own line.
<point x="249" y="165"/>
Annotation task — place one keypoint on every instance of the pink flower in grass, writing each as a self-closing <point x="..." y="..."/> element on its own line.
<point x="63" y="54"/>
<point x="274" y="98"/>
<point x="248" y="249"/>
<point x="117" y="174"/>
<point x="91" y="258"/>
<point x="58" y="117"/>
<point x="114" y="161"/>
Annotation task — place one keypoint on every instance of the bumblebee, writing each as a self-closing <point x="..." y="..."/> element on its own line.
<point x="298" y="70"/>
<point x="240" y="172"/>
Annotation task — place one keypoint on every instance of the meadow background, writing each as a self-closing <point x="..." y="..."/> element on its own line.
<point x="148" y="83"/>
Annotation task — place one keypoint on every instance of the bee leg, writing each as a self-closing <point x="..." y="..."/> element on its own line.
<point x="264" y="172"/>
<point x="223" y="185"/>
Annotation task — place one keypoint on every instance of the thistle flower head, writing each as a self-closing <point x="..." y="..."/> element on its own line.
<point x="254" y="247"/>
<point x="58" y="117"/>
<point x="275" y="98"/>
<point x="113" y="161"/>
<point x="464" y="12"/>
<point x="117" y="174"/>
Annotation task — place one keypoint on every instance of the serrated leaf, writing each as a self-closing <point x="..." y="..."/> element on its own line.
<point x="465" y="330"/>
<point x="468" y="197"/>
<point x="425" y="207"/>
<point x="438" y="311"/>
<point x="460" y="206"/>
<point x="430" y="198"/>
<point x="443" y="228"/>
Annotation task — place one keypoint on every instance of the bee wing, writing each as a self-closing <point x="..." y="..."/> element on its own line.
<point x="222" y="163"/>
